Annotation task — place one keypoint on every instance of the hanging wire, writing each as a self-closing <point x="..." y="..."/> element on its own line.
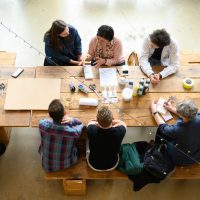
<point x="97" y="93"/>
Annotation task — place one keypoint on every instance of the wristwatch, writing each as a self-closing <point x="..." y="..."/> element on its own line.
<point x="154" y="113"/>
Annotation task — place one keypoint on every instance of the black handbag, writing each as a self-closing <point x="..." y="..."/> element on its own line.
<point x="157" y="162"/>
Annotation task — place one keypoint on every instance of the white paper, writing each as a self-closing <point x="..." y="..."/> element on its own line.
<point x="108" y="77"/>
<point x="166" y="115"/>
<point x="88" y="102"/>
<point x="88" y="72"/>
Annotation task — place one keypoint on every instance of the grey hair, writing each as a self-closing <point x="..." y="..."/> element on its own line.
<point x="187" y="109"/>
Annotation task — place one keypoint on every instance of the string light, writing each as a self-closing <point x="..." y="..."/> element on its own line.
<point x="98" y="95"/>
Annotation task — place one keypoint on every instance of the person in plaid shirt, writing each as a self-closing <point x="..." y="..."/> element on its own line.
<point x="58" y="136"/>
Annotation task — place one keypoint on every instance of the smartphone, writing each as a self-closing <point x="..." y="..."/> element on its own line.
<point x="17" y="72"/>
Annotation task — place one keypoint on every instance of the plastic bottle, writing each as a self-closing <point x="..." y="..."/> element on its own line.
<point x="145" y="89"/>
<point x="140" y="90"/>
<point x="130" y="84"/>
<point x="135" y="90"/>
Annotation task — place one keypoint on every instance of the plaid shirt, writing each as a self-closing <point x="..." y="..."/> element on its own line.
<point x="57" y="147"/>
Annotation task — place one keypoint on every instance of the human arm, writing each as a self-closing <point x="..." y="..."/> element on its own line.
<point x="54" y="55"/>
<point x="78" y="47"/>
<point x="159" y="120"/>
<point x="117" y="122"/>
<point x="92" y="122"/>
<point x="173" y="60"/>
<point x="92" y="48"/>
<point x="74" y="125"/>
<point x="169" y="107"/>
<point x="144" y="58"/>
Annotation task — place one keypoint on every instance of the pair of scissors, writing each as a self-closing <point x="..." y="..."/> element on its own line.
<point x="2" y="87"/>
<point x="92" y="87"/>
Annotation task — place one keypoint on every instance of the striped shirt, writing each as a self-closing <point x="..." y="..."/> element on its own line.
<point x="112" y="51"/>
<point x="57" y="148"/>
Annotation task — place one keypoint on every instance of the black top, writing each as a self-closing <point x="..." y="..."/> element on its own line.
<point x="104" y="145"/>
<point x="157" y="53"/>
<point x="186" y="139"/>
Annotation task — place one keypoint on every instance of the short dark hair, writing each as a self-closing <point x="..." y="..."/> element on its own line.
<point x="160" y="37"/>
<point x="56" y="110"/>
<point x="104" y="116"/>
<point x="106" y="32"/>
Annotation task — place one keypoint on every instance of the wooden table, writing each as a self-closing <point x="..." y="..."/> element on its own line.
<point x="134" y="113"/>
<point x="10" y="119"/>
<point x="7" y="59"/>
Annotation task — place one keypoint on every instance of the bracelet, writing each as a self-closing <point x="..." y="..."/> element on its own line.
<point x="155" y="113"/>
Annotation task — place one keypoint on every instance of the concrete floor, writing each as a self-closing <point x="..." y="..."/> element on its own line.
<point x="21" y="175"/>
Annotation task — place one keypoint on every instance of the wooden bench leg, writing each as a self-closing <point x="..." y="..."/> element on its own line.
<point x="74" y="187"/>
<point x="5" y="134"/>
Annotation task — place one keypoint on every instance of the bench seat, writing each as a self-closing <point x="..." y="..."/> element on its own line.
<point x="74" y="178"/>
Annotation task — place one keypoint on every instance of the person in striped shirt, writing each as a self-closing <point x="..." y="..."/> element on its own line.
<point x="58" y="136"/>
<point x="105" y="49"/>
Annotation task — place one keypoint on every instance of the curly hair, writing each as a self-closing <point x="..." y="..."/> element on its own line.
<point x="160" y="38"/>
<point x="104" y="116"/>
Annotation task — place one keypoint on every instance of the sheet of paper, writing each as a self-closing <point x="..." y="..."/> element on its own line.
<point x="166" y="115"/>
<point x="31" y="93"/>
<point x="108" y="77"/>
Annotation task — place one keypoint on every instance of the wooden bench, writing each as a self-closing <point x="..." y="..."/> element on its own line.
<point x="74" y="178"/>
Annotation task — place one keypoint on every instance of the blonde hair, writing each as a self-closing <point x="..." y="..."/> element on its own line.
<point x="104" y="116"/>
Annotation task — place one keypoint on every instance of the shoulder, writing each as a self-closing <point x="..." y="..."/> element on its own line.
<point x="117" y="40"/>
<point x="145" y="42"/>
<point x="45" y="122"/>
<point x="47" y="38"/>
<point x="165" y="128"/>
<point x="72" y="29"/>
<point x="198" y="117"/>
<point x="91" y="127"/>
<point x="93" y="40"/>
<point x="120" y="129"/>
<point x="173" y="42"/>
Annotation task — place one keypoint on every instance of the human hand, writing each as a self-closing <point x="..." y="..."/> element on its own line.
<point x="153" y="106"/>
<point x="155" y="78"/>
<point x="169" y="107"/>
<point x="66" y="119"/>
<point x="99" y="61"/>
<point x="74" y="62"/>
<point x="93" y="122"/>
<point x="80" y="63"/>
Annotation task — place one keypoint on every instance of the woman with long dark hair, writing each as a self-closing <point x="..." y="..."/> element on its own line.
<point x="62" y="45"/>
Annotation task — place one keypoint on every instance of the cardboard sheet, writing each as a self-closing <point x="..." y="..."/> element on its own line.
<point x="31" y="93"/>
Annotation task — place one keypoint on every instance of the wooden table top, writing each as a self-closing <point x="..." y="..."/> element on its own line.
<point x="14" y="118"/>
<point x="7" y="59"/>
<point x="134" y="113"/>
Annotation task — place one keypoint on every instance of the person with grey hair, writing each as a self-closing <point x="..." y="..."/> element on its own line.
<point x="183" y="137"/>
